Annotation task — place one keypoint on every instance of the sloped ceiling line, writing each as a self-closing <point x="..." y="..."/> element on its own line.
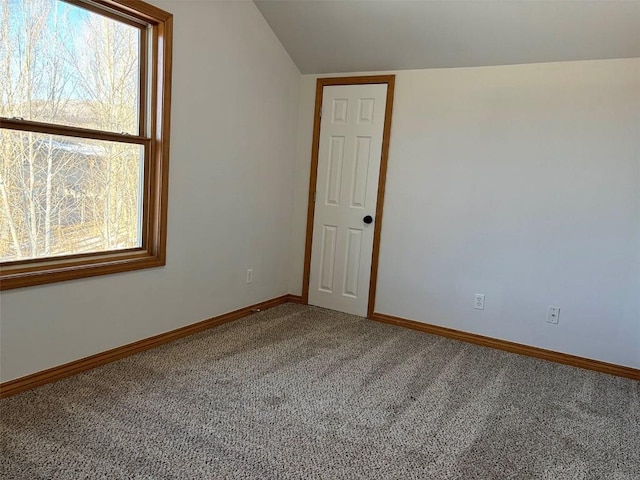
<point x="361" y="36"/>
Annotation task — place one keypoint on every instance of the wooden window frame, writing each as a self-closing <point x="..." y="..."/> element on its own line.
<point x="156" y="27"/>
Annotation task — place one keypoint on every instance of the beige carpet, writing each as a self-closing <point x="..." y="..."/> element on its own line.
<point x="299" y="392"/>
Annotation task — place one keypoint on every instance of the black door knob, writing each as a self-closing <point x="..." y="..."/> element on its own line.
<point x="368" y="219"/>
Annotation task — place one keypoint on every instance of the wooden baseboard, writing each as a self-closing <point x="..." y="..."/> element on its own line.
<point x="28" y="382"/>
<point x="294" y="298"/>
<point x="574" y="361"/>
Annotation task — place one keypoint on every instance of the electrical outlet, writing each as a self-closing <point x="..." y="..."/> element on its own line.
<point x="478" y="304"/>
<point x="553" y="315"/>
<point x="249" y="278"/>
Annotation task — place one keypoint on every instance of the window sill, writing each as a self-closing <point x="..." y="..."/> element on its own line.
<point x="50" y="271"/>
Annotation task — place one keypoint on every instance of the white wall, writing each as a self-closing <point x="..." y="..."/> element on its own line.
<point x="235" y="111"/>
<point x="520" y="182"/>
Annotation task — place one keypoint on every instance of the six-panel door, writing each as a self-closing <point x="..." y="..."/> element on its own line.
<point x="351" y="132"/>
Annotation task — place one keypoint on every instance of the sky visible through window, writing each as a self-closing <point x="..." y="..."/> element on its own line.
<point x="63" y="20"/>
<point x="56" y="56"/>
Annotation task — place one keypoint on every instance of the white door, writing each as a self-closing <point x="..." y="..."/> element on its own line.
<point x="351" y="131"/>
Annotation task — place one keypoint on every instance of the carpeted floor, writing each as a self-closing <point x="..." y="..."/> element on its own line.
<point x="299" y="392"/>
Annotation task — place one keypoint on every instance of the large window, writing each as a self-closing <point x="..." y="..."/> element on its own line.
<point x="84" y="138"/>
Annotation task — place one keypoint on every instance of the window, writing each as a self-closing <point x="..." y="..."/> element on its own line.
<point x="84" y="138"/>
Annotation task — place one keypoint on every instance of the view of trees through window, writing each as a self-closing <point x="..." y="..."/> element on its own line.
<point x="62" y="194"/>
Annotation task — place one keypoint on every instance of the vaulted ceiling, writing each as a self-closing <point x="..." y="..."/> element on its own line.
<point x="367" y="35"/>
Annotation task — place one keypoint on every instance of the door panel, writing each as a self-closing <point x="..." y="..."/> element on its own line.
<point x="334" y="177"/>
<point x="350" y="147"/>
<point x="328" y="257"/>
<point x="360" y="174"/>
<point x="352" y="262"/>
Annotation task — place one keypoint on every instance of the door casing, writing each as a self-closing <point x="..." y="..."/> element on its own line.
<point x="389" y="80"/>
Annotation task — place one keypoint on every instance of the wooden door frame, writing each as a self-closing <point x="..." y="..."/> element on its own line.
<point x="389" y="80"/>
